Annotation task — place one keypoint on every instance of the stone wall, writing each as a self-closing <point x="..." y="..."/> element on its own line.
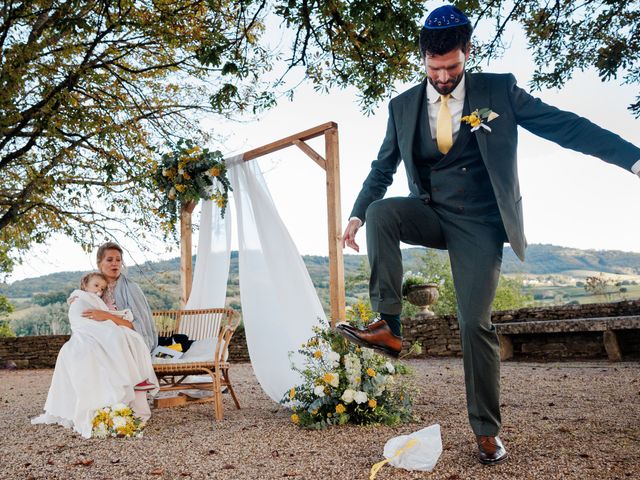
<point x="41" y="351"/>
<point x="440" y="336"/>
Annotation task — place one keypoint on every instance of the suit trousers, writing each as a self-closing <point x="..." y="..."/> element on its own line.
<point x="475" y="247"/>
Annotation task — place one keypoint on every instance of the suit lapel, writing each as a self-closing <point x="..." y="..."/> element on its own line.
<point x="410" y="119"/>
<point x="478" y="97"/>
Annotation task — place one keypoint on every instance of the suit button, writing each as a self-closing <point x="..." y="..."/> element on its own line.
<point x="464" y="169"/>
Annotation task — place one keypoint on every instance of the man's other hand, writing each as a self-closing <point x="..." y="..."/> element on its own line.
<point x="349" y="235"/>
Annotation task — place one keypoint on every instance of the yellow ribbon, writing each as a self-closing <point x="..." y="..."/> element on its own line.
<point x="376" y="468"/>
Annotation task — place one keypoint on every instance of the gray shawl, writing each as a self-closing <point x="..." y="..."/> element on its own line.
<point x="129" y="295"/>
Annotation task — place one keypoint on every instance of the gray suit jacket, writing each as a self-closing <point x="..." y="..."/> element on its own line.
<point x="498" y="148"/>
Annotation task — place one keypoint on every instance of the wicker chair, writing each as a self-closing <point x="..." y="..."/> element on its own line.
<point x="210" y="323"/>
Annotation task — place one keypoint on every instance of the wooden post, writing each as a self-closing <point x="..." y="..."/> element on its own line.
<point x="336" y="261"/>
<point x="185" y="252"/>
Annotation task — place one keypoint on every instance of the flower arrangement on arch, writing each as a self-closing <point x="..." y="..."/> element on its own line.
<point x="189" y="173"/>
<point x="116" y="421"/>
<point x="344" y="383"/>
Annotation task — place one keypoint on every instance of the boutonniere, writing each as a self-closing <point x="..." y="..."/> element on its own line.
<point x="479" y="119"/>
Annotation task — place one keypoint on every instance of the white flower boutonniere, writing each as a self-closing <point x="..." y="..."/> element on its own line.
<point x="479" y="119"/>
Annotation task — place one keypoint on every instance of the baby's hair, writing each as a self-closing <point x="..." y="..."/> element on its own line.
<point x="84" y="281"/>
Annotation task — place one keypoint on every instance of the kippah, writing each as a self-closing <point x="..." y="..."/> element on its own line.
<point x="446" y="16"/>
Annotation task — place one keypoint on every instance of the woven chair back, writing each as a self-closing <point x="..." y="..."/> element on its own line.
<point x="196" y="324"/>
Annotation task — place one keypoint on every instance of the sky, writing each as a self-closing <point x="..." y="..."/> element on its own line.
<point x="569" y="199"/>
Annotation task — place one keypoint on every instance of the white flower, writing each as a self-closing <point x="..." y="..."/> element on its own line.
<point x="347" y="396"/>
<point x="172" y="193"/>
<point x="180" y="171"/>
<point x="319" y="391"/>
<point x="390" y="368"/>
<point x="360" y="397"/>
<point x="334" y="358"/>
<point x="100" y="431"/>
<point x="119" y="422"/>
<point x="119" y="406"/>
<point x="367" y="353"/>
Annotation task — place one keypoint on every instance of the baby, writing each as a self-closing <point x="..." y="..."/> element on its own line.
<point x="95" y="283"/>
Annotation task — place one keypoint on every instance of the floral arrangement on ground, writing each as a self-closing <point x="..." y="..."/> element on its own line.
<point x="116" y="421"/>
<point x="186" y="174"/>
<point x="344" y="383"/>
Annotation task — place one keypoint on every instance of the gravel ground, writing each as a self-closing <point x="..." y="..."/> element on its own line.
<point x="577" y="420"/>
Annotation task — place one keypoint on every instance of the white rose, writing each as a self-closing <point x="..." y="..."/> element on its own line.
<point x="334" y="358"/>
<point x="119" y="406"/>
<point x="347" y="396"/>
<point x="119" y="422"/>
<point x="335" y="380"/>
<point x="319" y="391"/>
<point x="360" y="397"/>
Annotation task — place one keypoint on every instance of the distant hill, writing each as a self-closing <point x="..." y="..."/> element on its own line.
<point x="160" y="280"/>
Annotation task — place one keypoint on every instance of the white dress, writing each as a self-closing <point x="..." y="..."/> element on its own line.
<point x="97" y="367"/>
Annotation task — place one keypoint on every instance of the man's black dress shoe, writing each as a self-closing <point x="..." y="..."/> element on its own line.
<point x="379" y="338"/>
<point x="491" y="451"/>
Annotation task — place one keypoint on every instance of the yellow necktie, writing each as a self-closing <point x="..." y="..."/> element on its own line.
<point x="444" y="132"/>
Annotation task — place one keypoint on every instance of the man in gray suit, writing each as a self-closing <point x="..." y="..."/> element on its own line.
<point x="456" y="133"/>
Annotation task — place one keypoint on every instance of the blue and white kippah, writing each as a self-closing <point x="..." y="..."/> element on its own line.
<point x="445" y="17"/>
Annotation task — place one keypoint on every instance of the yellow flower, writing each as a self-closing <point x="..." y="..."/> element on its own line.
<point x="180" y="187"/>
<point x="220" y="201"/>
<point x="315" y="412"/>
<point x="186" y="176"/>
<point x="372" y="403"/>
<point x="292" y="393"/>
<point x="327" y="377"/>
<point x="475" y="122"/>
<point x="371" y="372"/>
<point x="215" y="171"/>
<point x="358" y="349"/>
<point x="295" y="418"/>
<point x="340" y="409"/>
<point x="317" y="354"/>
<point x="329" y="415"/>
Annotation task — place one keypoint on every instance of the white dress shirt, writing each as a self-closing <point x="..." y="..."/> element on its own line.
<point x="455" y="103"/>
<point x="636" y="168"/>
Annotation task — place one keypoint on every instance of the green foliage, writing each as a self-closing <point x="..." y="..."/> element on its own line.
<point x="189" y="174"/>
<point x="565" y="37"/>
<point x="52" y="319"/>
<point x="44" y="299"/>
<point x="5" y="308"/>
<point x="89" y="91"/>
<point x="510" y="295"/>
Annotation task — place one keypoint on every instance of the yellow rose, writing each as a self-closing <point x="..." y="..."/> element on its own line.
<point x="475" y="122"/>
<point x="180" y="187"/>
<point x="371" y="372"/>
<point x="372" y="403"/>
<point x="340" y="409"/>
<point x="215" y="171"/>
<point x="292" y="393"/>
<point x="295" y="418"/>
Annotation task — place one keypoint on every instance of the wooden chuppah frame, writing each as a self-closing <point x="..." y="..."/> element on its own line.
<point x="330" y="163"/>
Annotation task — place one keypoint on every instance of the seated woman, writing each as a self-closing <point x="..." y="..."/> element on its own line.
<point x="103" y="363"/>
<point x="122" y="293"/>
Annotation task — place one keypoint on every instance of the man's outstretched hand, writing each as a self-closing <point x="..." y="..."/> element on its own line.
<point x="349" y="235"/>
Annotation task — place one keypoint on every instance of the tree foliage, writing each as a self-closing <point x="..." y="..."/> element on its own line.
<point x="91" y="90"/>
<point x="565" y="36"/>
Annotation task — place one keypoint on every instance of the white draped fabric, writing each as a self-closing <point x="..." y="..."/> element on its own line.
<point x="212" y="261"/>
<point x="279" y="303"/>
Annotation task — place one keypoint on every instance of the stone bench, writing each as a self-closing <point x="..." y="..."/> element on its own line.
<point x="607" y="325"/>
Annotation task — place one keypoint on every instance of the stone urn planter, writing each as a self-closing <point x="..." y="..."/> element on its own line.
<point x="423" y="296"/>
